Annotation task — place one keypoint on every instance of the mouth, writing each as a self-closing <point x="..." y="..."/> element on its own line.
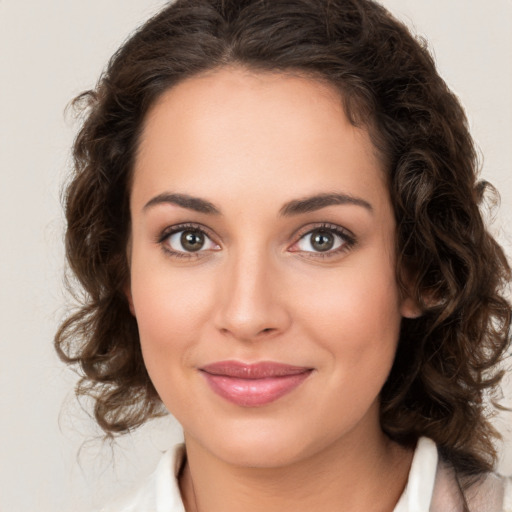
<point x="253" y="385"/>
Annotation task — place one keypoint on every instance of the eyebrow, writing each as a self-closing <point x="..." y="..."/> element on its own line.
<point x="319" y="201"/>
<point x="185" y="201"/>
<point x="294" y="207"/>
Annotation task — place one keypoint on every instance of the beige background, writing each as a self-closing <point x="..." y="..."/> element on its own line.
<point x="51" y="50"/>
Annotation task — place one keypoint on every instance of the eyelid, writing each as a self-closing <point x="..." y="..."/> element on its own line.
<point x="349" y="240"/>
<point x="176" y="228"/>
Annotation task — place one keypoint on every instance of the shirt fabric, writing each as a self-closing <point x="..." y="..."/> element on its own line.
<point x="432" y="486"/>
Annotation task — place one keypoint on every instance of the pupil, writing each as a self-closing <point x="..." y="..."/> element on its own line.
<point x="192" y="240"/>
<point x="322" y="240"/>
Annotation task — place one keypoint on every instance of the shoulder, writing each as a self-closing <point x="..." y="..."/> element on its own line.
<point x="508" y="495"/>
<point x="434" y="486"/>
<point x="159" y="492"/>
<point x="489" y="492"/>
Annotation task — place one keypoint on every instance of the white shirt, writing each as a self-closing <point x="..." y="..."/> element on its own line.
<point x="431" y="487"/>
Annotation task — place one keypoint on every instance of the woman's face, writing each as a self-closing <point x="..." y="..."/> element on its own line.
<point x="263" y="266"/>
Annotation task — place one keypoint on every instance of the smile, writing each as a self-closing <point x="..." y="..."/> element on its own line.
<point x="253" y="385"/>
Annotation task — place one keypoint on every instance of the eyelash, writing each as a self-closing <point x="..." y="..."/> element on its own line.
<point x="348" y="240"/>
<point x="169" y="231"/>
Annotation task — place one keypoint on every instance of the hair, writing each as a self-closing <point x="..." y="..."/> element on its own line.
<point x="447" y="361"/>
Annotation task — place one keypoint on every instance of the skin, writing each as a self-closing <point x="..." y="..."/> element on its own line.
<point x="258" y="290"/>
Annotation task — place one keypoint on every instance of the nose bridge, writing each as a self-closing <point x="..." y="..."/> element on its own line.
<point x="250" y="305"/>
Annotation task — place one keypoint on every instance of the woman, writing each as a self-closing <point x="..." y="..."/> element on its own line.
<point x="274" y="216"/>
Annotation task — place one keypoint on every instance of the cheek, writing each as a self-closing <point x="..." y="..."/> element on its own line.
<point x="355" y="314"/>
<point x="172" y="307"/>
<point x="169" y="326"/>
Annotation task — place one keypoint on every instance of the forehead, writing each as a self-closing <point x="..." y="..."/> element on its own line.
<point x="265" y="131"/>
<point x="236" y="85"/>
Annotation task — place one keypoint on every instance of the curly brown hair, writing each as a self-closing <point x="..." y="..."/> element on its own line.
<point x="447" y="359"/>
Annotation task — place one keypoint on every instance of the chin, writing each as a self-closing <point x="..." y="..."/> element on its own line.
<point x="262" y="454"/>
<point x="263" y="445"/>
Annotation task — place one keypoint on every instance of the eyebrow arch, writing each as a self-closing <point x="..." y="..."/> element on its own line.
<point x="294" y="207"/>
<point x="185" y="201"/>
<point x="319" y="201"/>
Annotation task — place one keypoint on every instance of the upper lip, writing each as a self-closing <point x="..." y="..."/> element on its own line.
<point x="260" y="370"/>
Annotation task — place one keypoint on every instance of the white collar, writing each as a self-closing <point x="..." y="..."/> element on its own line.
<point x="417" y="495"/>
<point x="161" y="492"/>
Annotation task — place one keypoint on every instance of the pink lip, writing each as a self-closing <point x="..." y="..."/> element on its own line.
<point x="253" y="385"/>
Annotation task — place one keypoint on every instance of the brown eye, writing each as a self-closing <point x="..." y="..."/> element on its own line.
<point x="192" y="240"/>
<point x="189" y="240"/>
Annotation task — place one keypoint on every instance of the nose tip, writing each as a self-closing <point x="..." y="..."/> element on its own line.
<point x="249" y="314"/>
<point x="247" y="330"/>
<point x="250" y="305"/>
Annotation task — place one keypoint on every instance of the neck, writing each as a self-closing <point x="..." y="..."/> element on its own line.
<point x="353" y="474"/>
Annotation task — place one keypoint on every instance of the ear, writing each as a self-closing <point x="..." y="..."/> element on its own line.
<point x="127" y="288"/>
<point x="128" y="294"/>
<point x="409" y="308"/>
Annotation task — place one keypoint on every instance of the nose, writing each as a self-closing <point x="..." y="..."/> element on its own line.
<point x="251" y="303"/>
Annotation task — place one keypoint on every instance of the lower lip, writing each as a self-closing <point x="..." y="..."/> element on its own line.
<point x="254" y="392"/>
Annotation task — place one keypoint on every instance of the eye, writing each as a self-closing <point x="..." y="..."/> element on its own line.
<point x="181" y="240"/>
<point x="319" y="240"/>
<point x="324" y="239"/>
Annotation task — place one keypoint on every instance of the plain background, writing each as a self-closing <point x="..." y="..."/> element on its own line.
<point x="50" y="457"/>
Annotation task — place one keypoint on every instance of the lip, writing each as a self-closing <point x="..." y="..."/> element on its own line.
<point x="253" y="385"/>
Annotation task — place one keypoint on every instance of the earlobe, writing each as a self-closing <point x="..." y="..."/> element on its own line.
<point x="410" y="308"/>
<point x="128" y="294"/>
<point x="127" y="289"/>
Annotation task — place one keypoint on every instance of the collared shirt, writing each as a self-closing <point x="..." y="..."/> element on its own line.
<point x="432" y="486"/>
